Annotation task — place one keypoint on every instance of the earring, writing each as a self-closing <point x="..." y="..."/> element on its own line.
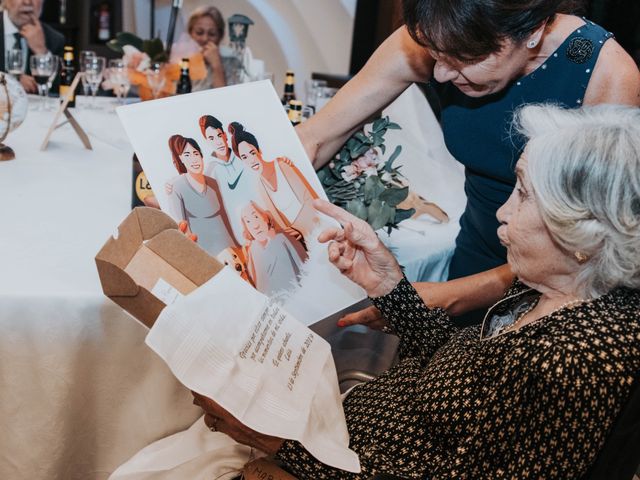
<point x="532" y="44"/>
<point x="581" y="257"/>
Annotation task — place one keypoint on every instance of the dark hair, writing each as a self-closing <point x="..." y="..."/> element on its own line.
<point x="474" y="29"/>
<point x="213" y="13"/>
<point x="176" y="145"/>
<point x="239" y="135"/>
<point x="208" y="121"/>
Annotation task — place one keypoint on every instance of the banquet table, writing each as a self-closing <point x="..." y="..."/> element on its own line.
<point x="79" y="390"/>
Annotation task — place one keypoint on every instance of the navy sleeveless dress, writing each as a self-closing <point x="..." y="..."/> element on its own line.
<point x="477" y="133"/>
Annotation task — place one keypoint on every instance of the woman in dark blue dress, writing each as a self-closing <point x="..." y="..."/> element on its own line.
<point x="484" y="59"/>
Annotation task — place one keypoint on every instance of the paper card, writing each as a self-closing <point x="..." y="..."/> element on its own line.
<point x="165" y="292"/>
<point x="228" y="163"/>
<point x="230" y="343"/>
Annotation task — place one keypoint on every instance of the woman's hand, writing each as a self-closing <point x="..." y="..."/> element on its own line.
<point x="370" y="317"/>
<point x="358" y="253"/>
<point x="219" y="420"/>
<point x="211" y="55"/>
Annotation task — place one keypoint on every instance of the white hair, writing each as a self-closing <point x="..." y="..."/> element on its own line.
<point x="584" y="166"/>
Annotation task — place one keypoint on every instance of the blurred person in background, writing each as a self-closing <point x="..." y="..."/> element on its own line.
<point x="22" y="29"/>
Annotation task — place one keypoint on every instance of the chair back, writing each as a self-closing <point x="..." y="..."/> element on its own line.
<point x="620" y="455"/>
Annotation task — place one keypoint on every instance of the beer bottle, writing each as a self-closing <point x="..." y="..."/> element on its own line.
<point x="184" y="83"/>
<point x="295" y="112"/>
<point x="289" y="88"/>
<point x="141" y="187"/>
<point x="67" y="73"/>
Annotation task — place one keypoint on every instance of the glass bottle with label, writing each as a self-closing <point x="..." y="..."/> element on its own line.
<point x="184" y="83"/>
<point x="67" y="74"/>
<point x="295" y="112"/>
<point x="289" y="88"/>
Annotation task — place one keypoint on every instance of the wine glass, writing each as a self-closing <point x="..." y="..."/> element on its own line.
<point x="14" y="61"/>
<point x="84" y="56"/>
<point x="155" y="77"/>
<point x="44" y="69"/>
<point x="119" y="78"/>
<point x="93" y="72"/>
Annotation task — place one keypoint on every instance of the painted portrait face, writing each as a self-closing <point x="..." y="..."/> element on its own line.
<point x="204" y="31"/>
<point x="250" y="156"/>
<point x="484" y="77"/>
<point x="192" y="159"/>
<point x="21" y="11"/>
<point x="256" y="223"/>
<point x="218" y="140"/>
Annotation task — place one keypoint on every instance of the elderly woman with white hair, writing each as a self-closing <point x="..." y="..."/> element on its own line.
<point x="534" y="391"/>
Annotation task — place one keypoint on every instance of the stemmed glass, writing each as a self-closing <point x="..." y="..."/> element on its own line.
<point x="93" y="73"/>
<point x="85" y="55"/>
<point x="119" y="78"/>
<point x="15" y="62"/>
<point x="155" y="77"/>
<point x="44" y="69"/>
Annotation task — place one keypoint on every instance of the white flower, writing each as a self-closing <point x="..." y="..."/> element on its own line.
<point x="134" y="58"/>
<point x="350" y="173"/>
<point x="371" y="171"/>
<point x="386" y="177"/>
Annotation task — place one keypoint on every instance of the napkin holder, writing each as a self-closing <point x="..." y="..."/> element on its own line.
<point x="149" y="263"/>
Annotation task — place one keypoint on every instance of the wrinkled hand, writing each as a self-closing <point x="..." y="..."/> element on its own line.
<point x="358" y="253"/>
<point x="28" y="83"/>
<point x="211" y="55"/>
<point x="370" y="317"/>
<point x="218" y="419"/>
<point x="34" y="35"/>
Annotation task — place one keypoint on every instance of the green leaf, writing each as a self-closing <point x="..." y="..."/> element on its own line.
<point x="153" y="47"/>
<point x="383" y="148"/>
<point x="128" y="38"/>
<point x="345" y="156"/>
<point x="403" y="214"/>
<point x="362" y="137"/>
<point x="394" y="196"/>
<point x="357" y="208"/>
<point x="389" y="165"/>
<point x="115" y="46"/>
<point x="380" y="124"/>
<point x="362" y="150"/>
<point x="394" y="126"/>
<point x="380" y="214"/>
<point x="373" y="188"/>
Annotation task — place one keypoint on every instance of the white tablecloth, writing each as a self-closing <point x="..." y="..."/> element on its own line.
<point x="79" y="391"/>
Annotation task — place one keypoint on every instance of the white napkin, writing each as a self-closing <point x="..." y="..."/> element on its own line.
<point x="227" y="341"/>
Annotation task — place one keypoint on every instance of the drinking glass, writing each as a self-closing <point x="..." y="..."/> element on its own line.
<point x="119" y="78"/>
<point x="44" y="69"/>
<point x="15" y="62"/>
<point x="155" y="77"/>
<point x="84" y="56"/>
<point x="312" y="89"/>
<point x="93" y="72"/>
<point x="323" y="95"/>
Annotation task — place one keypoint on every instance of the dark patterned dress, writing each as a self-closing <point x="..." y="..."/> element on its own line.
<point x="532" y="403"/>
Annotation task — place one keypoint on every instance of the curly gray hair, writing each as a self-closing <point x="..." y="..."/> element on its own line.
<point x="584" y="166"/>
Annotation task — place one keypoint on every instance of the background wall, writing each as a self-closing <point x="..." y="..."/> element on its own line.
<point x="305" y="35"/>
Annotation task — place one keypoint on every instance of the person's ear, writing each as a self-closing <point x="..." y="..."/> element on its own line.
<point x="536" y="36"/>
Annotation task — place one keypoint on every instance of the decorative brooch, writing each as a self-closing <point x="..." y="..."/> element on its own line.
<point x="580" y="50"/>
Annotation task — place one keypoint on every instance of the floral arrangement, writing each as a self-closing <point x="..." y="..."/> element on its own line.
<point x="359" y="180"/>
<point x="139" y="54"/>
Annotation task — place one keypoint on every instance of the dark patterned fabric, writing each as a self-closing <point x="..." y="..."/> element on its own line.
<point x="532" y="403"/>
